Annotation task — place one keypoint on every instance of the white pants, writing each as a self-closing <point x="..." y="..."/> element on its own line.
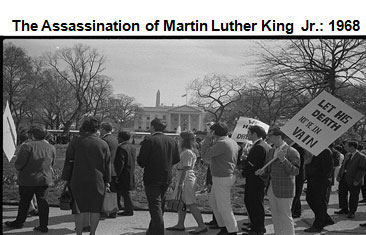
<point x="220" y="202"/>
<point x="281" y="214"/>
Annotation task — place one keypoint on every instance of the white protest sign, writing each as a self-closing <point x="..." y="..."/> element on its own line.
<point x="241" y="129"/>
<point x="9" y="133"/>
<point x="320" y="123"/>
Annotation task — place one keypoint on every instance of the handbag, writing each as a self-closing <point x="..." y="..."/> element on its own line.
<point x="66" y="198"/>
<point x="109" y="203"/>
<point x="176" y="204"/>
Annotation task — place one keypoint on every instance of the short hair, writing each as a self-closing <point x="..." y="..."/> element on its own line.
<point x="38" y="131"/>
<point x="90" y="124"/>
<point x="352" y="143"/>
<point x="106" y="126"/>
<point x="261" y="133"/>
<point x="359" y="147"/>
<point x="158" y="124"/>
<point x="124" y="135"/>
<point x="220" y="129"/>
<point x="338" y="148"/>
<point x="276" y="131"/>
<point x="23" y="135"/>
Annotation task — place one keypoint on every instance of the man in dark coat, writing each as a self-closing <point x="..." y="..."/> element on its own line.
<point x="157" y="155"/>
<point x="319" y="175"/>
<point x="299" y="184"/>
<point x="254" y="185"/>
<point x="106" y="134"/>
<point x="124" y="164"/>
<point x="350" y="177"/>
<point x="34" y="165"/>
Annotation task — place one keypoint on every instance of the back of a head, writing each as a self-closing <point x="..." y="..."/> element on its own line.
<point x="90" y="125"/>
<point x="261" y="133"/>
<point x="124" y="136"/>
<point x="158" y="124"/>
<point x="39" y="132"/>
<point x="189" y="141"/>
<point x="107" y="126"/>
<point x="220" y="129"/>
<point x="23" y="136"/>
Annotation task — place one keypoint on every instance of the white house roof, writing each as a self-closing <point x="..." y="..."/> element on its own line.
<point x="174" y="109"/>
<point x="185" y="108"/>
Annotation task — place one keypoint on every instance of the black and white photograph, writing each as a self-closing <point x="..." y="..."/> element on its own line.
<point x="116" y="135"/>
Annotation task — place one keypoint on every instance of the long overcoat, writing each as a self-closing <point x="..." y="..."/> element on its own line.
<point x="87" y="167"/>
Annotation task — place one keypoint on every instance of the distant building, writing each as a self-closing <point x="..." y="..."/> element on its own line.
<point x="186" y="117"/>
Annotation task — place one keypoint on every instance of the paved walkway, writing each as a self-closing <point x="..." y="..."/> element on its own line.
<point x="61" y="222"/>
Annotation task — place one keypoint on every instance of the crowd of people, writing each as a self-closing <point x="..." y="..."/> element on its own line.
<point x="97" y="162"/>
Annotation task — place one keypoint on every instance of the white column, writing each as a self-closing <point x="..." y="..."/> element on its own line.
<point x="179" y="121"/>
<point x="168" y="121"/>
<point x="200" y="122"/>
<point x="189" y="122"/>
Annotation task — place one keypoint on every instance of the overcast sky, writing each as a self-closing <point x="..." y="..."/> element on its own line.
<point x="141" y="67"/>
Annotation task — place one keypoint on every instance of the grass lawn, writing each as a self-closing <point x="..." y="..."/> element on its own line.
<point x="10" y="189"/>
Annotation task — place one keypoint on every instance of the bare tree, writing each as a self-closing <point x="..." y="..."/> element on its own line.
<point x="313" y="65"/>
<point x="56" y="107"/>
<point x="304" y="68"/>
<point x="122" y="109"/>
<point x="101" y="90"/>
<point x="18" y="80"/>
<point x="214" y="93"/>
<point x="355" y="96"/>
<point x="267" y="100"/>
<point x="80" y="66"/>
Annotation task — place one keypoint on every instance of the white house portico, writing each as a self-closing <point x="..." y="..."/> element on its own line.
<point x="186" y="117"/>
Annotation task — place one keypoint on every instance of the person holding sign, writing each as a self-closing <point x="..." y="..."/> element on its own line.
<point x="319" y="176"/>
<point x="254" y="186"/>
<point x="285" y="163"/>
<point x="350" y="179"/>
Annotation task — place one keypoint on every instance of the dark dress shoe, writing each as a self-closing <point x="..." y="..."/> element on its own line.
<point x="329" y="222"/>
<point x="212" y="222"/>
<point x="351" y="215"/>
<point x="294" y="216"/>
<point x="41" y="229"/>
<point x="205" y="230"/>
<point x="215" y="226"/>
<point x="363" y="225"/>
<point x="85" y="229"/>
<point x="246" y="224"/>
<point x="113" y="215"/>
<point x="13" y="224"/>
<point x="246" y="229"/>
<point x="175" y="229"/>
<point x="342" y="211"/>
<point x="126" y="213"/>
<point x="313" y="230"/>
